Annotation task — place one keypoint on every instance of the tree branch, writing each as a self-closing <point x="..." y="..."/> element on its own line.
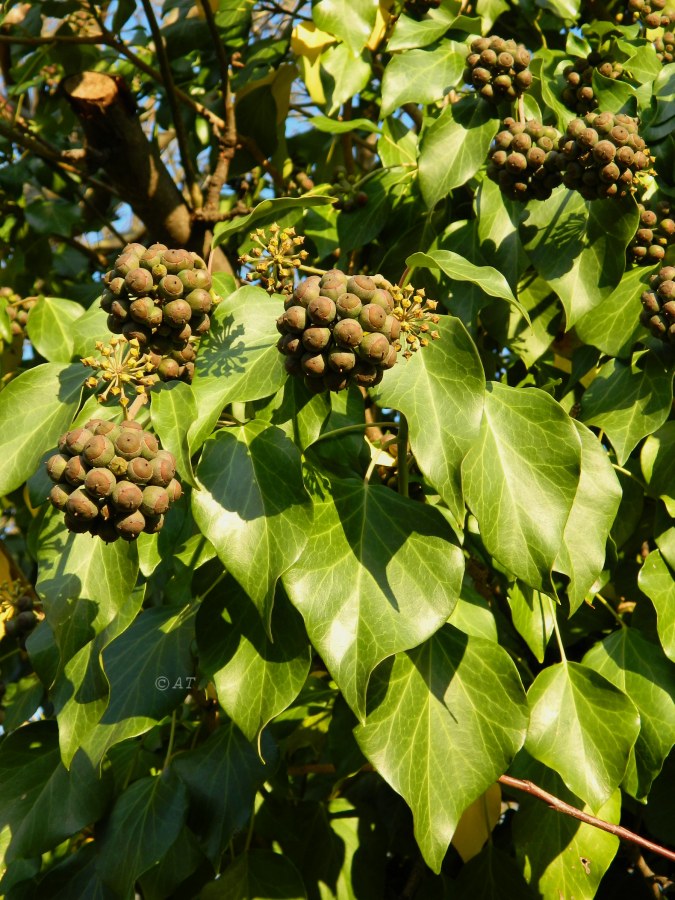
<point x="560" y="806"/>
<point x="227" y="138"/>
<point x="529" y="788"/>
<point x="170" y="88"/>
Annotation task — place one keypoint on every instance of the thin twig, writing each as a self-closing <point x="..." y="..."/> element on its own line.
<point x="560" y="806"/>
<point x="402" y="456"/>
<point x="528" y="787"/>
<point x="228" y="138"/>
<point x="170" y="88"/>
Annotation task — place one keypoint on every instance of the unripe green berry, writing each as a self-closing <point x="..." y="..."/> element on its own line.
<point x="372" y="317"/>
<point x="58" y="496"/>
<point x="75" y="471"/>
<point x="199" y="301"/>
<point x="348" y="333"/>
<point x="139" y="282"/>
<point x="362" y="286"/>
<point x="316" y="339"/>
<point x="118" y="466"/>
<point x="348" y="306"/>
<point x="333" y="283"/>
<point x="374" y="348"/>
<point x="80" y="506"/>
<point x="130" y="526"/>
<point x="177" y="260"/>
<point x="145" y="311"/>
<point x="76" y="440"/>
<point x="174" y="490"/>
<point x="139" y="470"/>
<point x="177" y="313"/>
<point x="163" y="470"/>
<point x="341" y="361"/>
<point x="307" y="290"/>
<point x="98" y="451"/>
<point x="383" y="298"/>
<point x="321" y="310"/>
<point x="170" y="287"/>
<point x="100" y="482"/>
<point x="56" y="467"/>
<point x="155" y="501"/>
<point x="313" y="364"/>
<point x="128" y="444"/>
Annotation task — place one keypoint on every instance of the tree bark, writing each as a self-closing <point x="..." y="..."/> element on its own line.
<point x="115" y="138"/>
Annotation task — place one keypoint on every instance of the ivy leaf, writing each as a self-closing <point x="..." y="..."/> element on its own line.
<point x="492" y="875"/>
<point x="297" y="411"/>
<point x="257" y="521"/>
<point x="267" y="211"/>
<point x="255" y="678"/>
<point x="628" y="401"/>
<point x="150" y="669"/>
<point x="242" y="346"/>
<point x="638" y="668"/>
<point x="454" y="146"/>
<point x="614" y="326"/>
<point x="410" y="33"/>
<point x="582" y="727"/>
<point x="90" y="327"/>
<point x="43" y="803"/>
<point x="221" y="777"/>
<point x="83" y="582"/>
<point x="578" y="248"/>
<point x="421" y="76"/>
<point x="362" y="225"/>
<point x="173" y="410"/>
<point x="533" y="616"/>
<point x="656" y="461"/>
<point x="440" y="392"/>
<point x="457" y="707"/>
<point x="145" y="821"/>
<point x="50" y="327"/>
<point x="658" y="582"/>
<point x="561" y="856"/>
<point x="333" y="126"/>
<point x="42" y="401"/>
<point x="527" y="459"/>
<point x="379" y="574"/>
<point x="257" y="875"/>
<point x="350" y="20"/>
<point x="582" y="554"/>
<point x="491" y="281"/>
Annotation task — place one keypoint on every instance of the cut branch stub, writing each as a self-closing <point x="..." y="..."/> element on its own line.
<point x="114" y="135"/>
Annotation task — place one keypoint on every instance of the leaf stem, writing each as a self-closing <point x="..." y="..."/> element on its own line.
<point x="352" y="429"/>
<point x="630" y="475"/>
<point x="402" y="456"/>
<point x="558" y="636"/>
<point x="312" y="270"/>
<point x="608" y="606"/>
<point x="172" y="735"/>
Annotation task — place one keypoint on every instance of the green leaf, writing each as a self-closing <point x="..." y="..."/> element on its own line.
<point x="473" y="615"/>
<point x="398" y="145"/>
<point x="658" y="582"/>
<point x="50" y="328"/>
<point x="628" y="401"/>
<point x="527" y="459"/>
<point x="43" y="803"/>
<point x="81" y="691"/>
<point x="173" y="410"/>
<point x="497" y="225"/>
<point x="255" y="678"/>
<point x="257" y="521"/>
<point x="35" y="408"/>
<point x="614" y="325"/>
<point x="150" y="669"/>
<point x="332" y="126"/>
<point x="242" y="346"/>
<point x="582" y="554"/>
<point x="222" y="777"/>
<point x="457" y="708"/>
<point x="614" y="95"/>
<point x="533" y="615"/>
<point x="567" y="10"/>
<point x="82" y="581"/>
<point x="578" y="248"/>
<point x="297" y="411"/>
<point x="530" y="342"/>
<point x="350" y="20"/>
<point x="454" y="147"/>
<point x="639" y="668"/>
<point x="181" y="860"/>
<point x="90" y="327"/>
<point x="343" y="75"/>
<point x="362" y="225"/>
<point x="380" y="573"/>
<point x="144" y="822"/>
<point x="658" y="469"/>
<point x="265" y="212"/>
<point x="456" y="267"/>
<point x="440" y="391"/>
<point x="421" y="76"/>
<point x="582" y="727"/>
<point x="492" y="875"/>
<point x="257" y="875"/>
<point x="76" y="875"/>
<point x="410" y="33"/>
<point x="560" y="856"/>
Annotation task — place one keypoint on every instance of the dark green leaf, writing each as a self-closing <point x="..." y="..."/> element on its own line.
<point x="533" y="615"/>
<point x="628" y="401"/>
<point x="379" y="574"/>
<point x="145" y="821"/>
<point x="257" y="521"/>
<point x="492" y="875"/>
<point x="454" y="147"/>
<point x="440" y="391"/>
<point x="257" y="875"/>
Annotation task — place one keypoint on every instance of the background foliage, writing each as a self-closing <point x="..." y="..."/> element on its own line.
<point x="309" y="683"/>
